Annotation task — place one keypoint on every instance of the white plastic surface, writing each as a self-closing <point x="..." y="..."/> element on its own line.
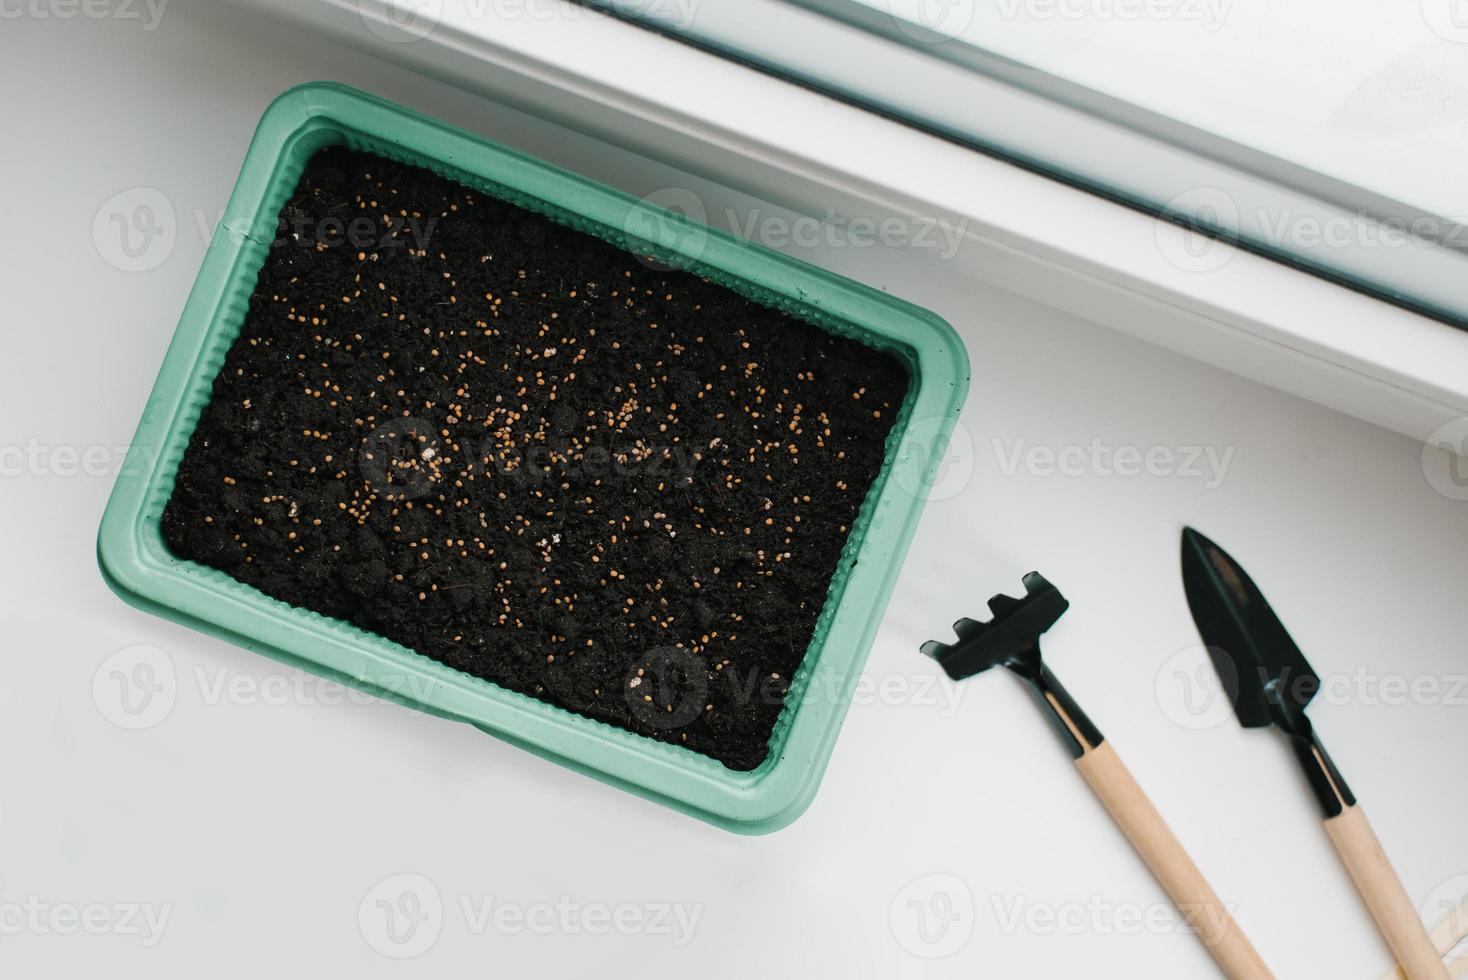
<point x="277" y="825"/>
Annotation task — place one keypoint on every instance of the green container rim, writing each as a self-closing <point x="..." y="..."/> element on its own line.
<point x="138" y="566"/>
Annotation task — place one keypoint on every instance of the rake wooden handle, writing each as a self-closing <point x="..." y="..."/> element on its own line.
<point x="1385" y="897"/>
<point x="1170" y="864"/>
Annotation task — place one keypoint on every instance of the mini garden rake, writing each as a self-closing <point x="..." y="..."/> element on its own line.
<point x="1012" y="639"/>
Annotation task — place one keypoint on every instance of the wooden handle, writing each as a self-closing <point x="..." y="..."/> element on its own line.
<point x="1176" y="872"/>
<point x="1451" y="931"/>
<point x="1446" y="936"/>
<point x="1385" y="897"/>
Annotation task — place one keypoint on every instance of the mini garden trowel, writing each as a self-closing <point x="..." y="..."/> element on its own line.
<point x="1269" y="683"/>
<point x="1012" y="639"/>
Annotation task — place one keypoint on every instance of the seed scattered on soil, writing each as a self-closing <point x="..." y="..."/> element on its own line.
<point x="524" y="453"/>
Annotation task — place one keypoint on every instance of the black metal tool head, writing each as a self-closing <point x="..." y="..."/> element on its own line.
<point x="1263" y="672"/>
<point x="1010" y="638"/>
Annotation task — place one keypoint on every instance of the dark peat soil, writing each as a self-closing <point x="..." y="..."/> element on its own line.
<point x="526" y="454"/>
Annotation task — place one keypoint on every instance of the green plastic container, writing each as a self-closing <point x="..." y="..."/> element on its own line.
<point x="139" y="567"/>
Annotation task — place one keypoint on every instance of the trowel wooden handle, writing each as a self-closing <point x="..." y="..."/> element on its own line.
<point x="1385" y="897"/>
<point x="1170" y="864"/>
<point x="1446" y="936"/>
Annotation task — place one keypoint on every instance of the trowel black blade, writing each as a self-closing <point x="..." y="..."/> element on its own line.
<point x="1270" y="682"/>
<point x="1256" y="659"/>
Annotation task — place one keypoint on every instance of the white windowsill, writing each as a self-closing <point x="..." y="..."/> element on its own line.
<point x="1025" y="233"/>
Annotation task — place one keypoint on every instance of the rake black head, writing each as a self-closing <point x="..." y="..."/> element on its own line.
<point x="1011" y="638"/>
